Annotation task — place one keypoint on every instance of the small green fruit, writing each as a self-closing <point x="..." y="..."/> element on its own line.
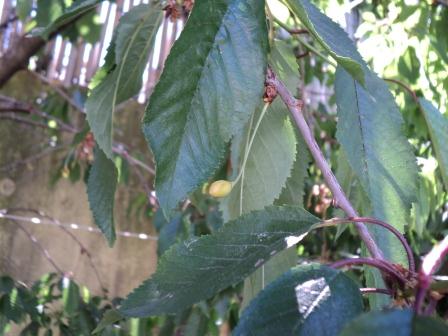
<point x="220" y="188"/>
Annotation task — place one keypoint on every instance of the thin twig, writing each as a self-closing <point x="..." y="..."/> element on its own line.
<point x="39" y="246"/>
<point x="84" y="250"/>
<point x="404" y="86"/>
<point x="120" y="150"/>
<point x="305" y="43"/>
<point x="117" y="148"/>
<point x="295" y="107"/>
<point x="34" y="157"/>
<point x="385" y="225"/>
<point x="16" y="118"/>
<point x="58" y="90"/>
<point x="377" y="263"/>
<point x="8" y="104"/>
<point x="292" y="31"/>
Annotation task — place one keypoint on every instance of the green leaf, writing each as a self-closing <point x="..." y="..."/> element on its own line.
<point x="169" y="232"/>
<point x="268" y="166"/>
<point x="266" y="274"/>
<point x="409" y="65"/>
<point x="6" y="284"/>
<point x="294" y="188"/>
<point x="101" y="187"/>
<point x="211" y="84"/>
<point x="421" y="210"/>
<point x="346" y="178"/>
<point x="369" y="130"/>
<point x="438" y="131"/>
<point x="352" y="188"/>
<point x="308" y="300"/>
<point x="395" y="323"/>
<point x="292" y="194"/>
<point x="270" y="161"/>
<point x="110" y="317"/>
<point x="331" y="36"/>
<point x="284" y="63"/>
<point x="70" y="15"/>
<point x="48" y="11"/>
<point x="133" y="39"/>
<point x="70" y="296"/>
<point x="196" y="269"/>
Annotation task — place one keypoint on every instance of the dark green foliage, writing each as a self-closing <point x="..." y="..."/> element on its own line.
<point x="125" y="63"/>
<point x="211" y="84"/>
<point x="395" y="323"/>
<point x="101" y="191"/>
<point x="198" y="268"/>
<point x="307" y="300"/>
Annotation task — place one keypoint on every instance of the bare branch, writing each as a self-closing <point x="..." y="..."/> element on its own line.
<point x="8" y="104"/>
<point x="22" y="48"/>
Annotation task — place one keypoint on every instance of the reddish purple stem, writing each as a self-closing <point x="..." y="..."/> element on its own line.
<point x="295" y="108"/>
<point x="377" y="263"/>
<point x="385" y="225"/>
<point x="430" y="264"/>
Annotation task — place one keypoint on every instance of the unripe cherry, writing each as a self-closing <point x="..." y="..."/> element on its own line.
<point x="220" y="188"/>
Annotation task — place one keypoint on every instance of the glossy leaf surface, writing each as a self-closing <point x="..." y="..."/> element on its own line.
<point x="196" y="269"/>
<point x="211" y="84"/>
<point x="308" y="300"/>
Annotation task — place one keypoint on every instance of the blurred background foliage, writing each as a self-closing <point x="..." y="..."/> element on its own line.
<point x="404" y="41"/>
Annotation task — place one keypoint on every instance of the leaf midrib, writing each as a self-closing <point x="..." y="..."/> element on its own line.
<point x="361" y="129"/>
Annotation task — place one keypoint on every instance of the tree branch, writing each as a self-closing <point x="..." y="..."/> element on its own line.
<point x="58" y="90"/>
<point x="34" y="157"/>
<point x="8" y="21"/>
<point x="295" y="107"/>
<point x="22" y="48"/>
<point x="8" y="104"/>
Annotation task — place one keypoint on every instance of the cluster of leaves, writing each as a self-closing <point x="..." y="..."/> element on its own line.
<point x="206" y="120"/>
<point x="52" y="304"/>
<point x="49" y="15"/>
<point x="57" y="305"/>
<point x="189" y="122"/>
